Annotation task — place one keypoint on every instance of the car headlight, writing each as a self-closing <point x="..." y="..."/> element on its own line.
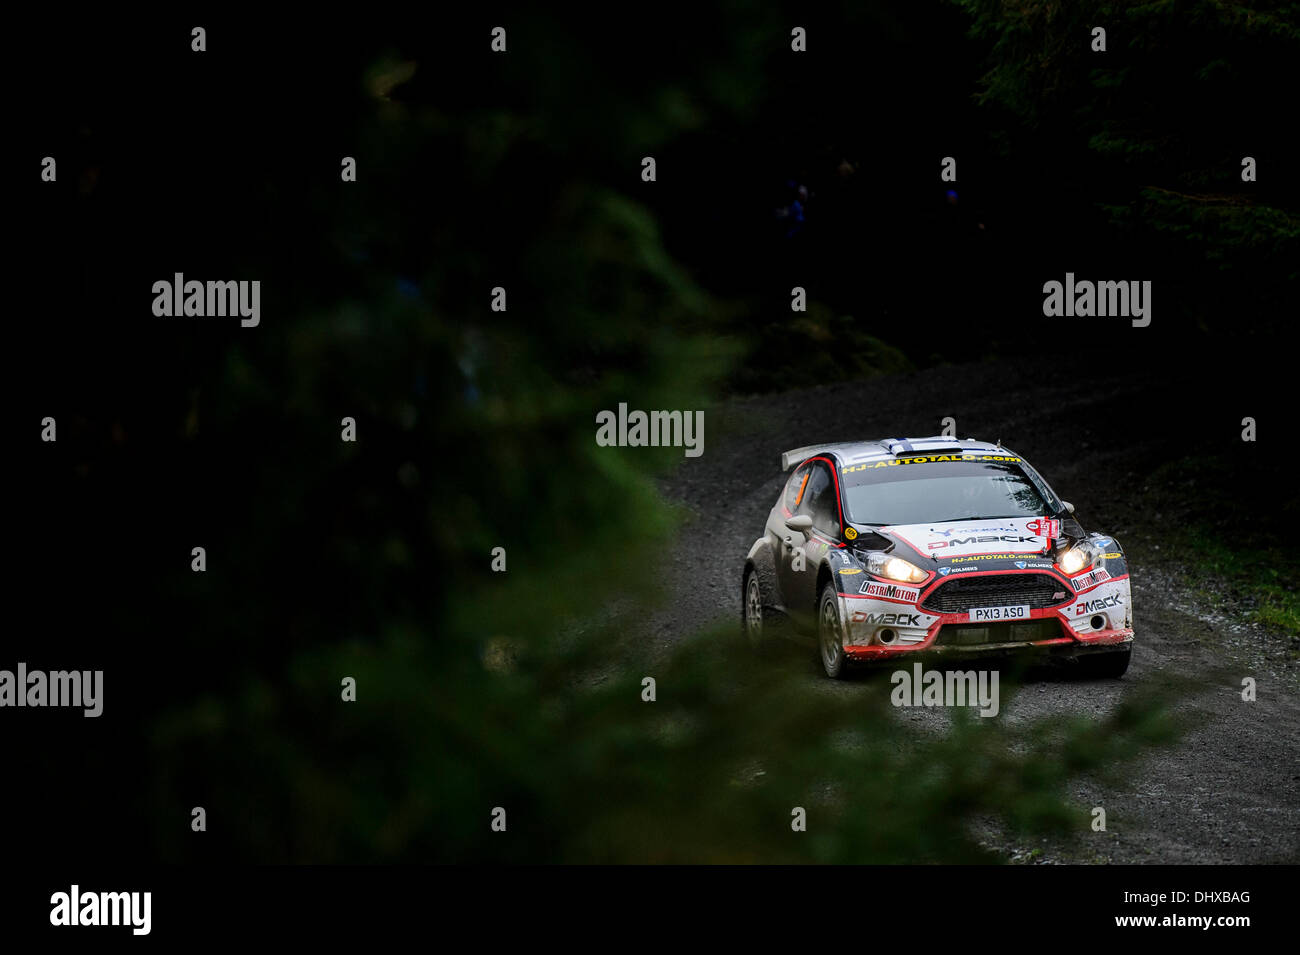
<point x="895" y="568"/>
<point x="1079" y="556"/>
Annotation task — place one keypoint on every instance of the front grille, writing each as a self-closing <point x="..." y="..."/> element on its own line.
<point x="974" y="635"/>
<point x="999" y="590"/>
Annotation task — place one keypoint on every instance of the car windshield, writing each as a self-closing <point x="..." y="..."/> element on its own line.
<point x="911" y="491"/>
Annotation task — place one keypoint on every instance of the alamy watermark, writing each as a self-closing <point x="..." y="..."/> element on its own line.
<point x="653" y="429"/>
<point x="1084" y="299"/>
<point x="179" y="298"/>
<point x="946" y="688"/>
<point x="75" y="907"/>
<point x="74" y="688"/>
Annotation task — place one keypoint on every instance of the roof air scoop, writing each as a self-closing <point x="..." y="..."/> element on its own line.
<point x="938" y="445"/>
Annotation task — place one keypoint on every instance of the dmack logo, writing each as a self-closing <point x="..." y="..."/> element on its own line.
<point x="979" y="540"/>
<point x="970" y="530"/>
<point x="1101" y="603"/>
<point x="896" y="619"/>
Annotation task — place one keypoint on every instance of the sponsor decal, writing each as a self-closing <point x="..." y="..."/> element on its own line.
<point x="850" y="570"/>
<point x="963" y="541"/>
<point x="945" y="571"/>
<point x="958" y="560"/>
<point x="887" y="619"/>
<point x="948" y="539"/>
<point x="873" y="588"/>
<point x="1045" y="527"/>
<point x="850" y="533"/>
<point x="973" y="530"/>
<point x="1084" y="581"/>
<point x="1035" y="565"/>
<point x="1092" y="606"/>
<point x="927" y="459"/>
<point x="1114" y="555"/>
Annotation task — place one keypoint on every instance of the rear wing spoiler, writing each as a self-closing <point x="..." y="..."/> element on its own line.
<point x="792" y="457"/>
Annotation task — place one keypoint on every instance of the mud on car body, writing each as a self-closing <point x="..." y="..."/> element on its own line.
<point x="938" y="546"/>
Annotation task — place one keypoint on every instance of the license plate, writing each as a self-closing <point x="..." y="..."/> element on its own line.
<point x="985" y="614"/>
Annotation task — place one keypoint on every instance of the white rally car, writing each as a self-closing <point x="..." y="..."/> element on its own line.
<point x="935" y="545"/>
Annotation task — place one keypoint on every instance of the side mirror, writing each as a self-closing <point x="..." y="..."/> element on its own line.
<point x="800" y="522"/>
<point x="1068" y="506"/>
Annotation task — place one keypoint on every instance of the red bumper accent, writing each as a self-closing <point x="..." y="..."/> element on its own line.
<point x="1100" y="638"/>
<point x="1105" y="637"/>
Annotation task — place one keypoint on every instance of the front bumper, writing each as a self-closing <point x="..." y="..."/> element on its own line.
<point x="1074" y="645"/>
<point x="1094" y="615"/>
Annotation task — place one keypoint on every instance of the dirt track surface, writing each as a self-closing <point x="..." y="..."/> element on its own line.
<point x="1229" y="790"/>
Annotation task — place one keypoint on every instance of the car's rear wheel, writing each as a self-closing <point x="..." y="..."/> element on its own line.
<point x="830" y="633"/>
<point x="1106" y="666"/>
<point x="751" y="611"/>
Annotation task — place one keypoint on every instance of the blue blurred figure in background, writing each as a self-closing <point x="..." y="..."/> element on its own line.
<point x="793" y="212"/>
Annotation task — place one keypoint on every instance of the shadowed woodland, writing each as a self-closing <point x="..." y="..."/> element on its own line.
<point x="475" y="428"/>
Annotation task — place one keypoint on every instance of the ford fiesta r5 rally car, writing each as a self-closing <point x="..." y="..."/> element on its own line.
<point x="935" y="545"/>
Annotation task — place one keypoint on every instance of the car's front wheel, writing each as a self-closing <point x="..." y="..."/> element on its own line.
<point x="751" y="611"/>
<point x="830" y="633"/>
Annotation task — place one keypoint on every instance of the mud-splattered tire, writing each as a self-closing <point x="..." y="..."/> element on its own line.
<point x="830" y="633"/>
<point x="752" y="613"/>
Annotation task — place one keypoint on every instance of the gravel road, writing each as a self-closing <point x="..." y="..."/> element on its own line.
<point x="1229" y="790"/>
